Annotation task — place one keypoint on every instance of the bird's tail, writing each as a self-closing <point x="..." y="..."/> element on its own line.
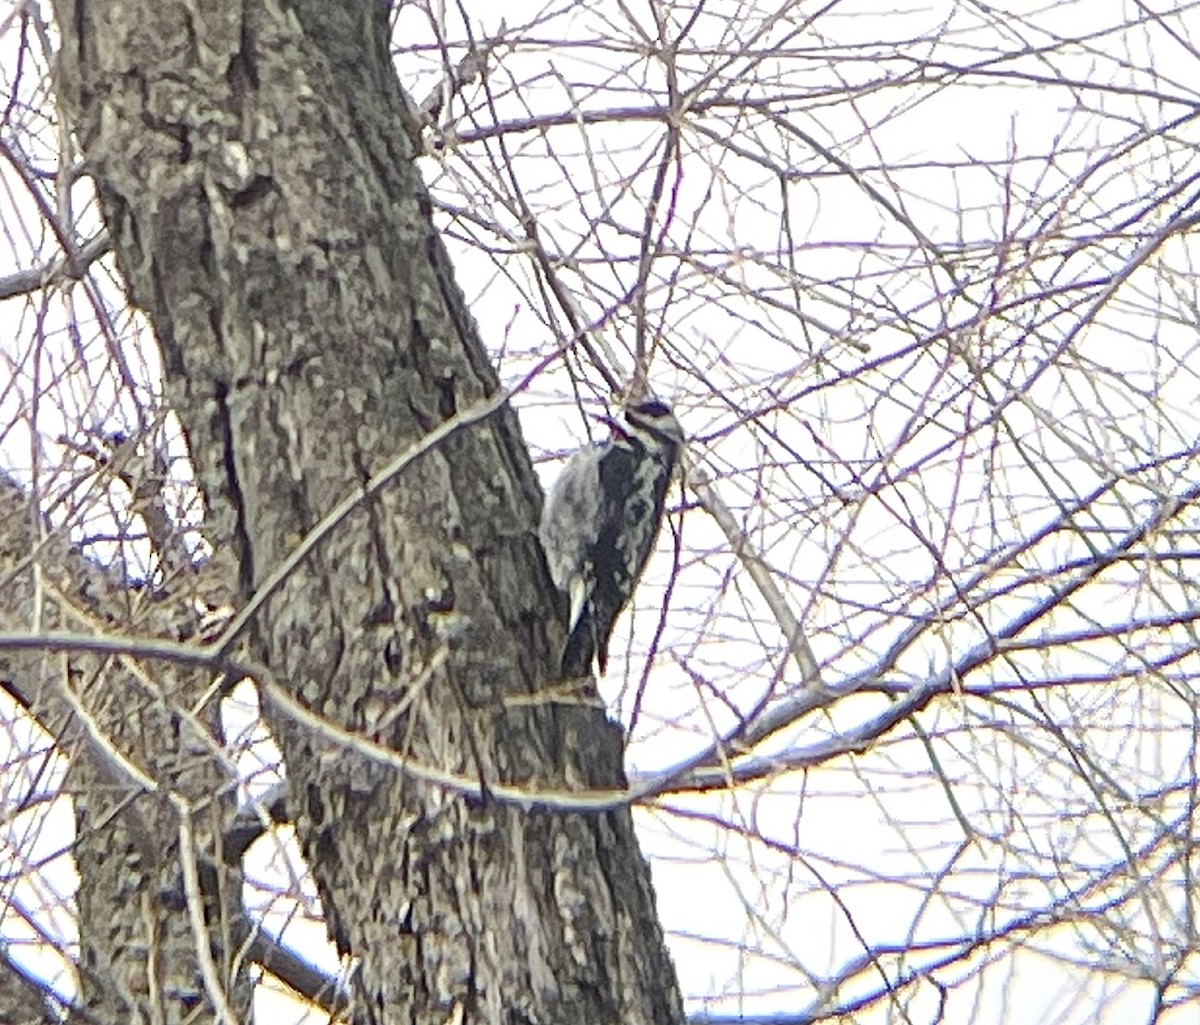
<point x="582" y="648"/>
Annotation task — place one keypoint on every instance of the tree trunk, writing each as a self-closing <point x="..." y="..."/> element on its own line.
<point x="266" y="212"/>
<point x="119" y="721"/>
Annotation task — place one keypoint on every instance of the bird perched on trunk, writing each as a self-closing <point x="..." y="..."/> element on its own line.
<point x="600" y="523"/>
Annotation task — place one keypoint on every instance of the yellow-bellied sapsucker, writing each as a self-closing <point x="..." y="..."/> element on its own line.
<point x="600" y="523"/>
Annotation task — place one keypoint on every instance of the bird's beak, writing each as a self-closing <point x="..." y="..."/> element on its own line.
<point x="613" y="425"/>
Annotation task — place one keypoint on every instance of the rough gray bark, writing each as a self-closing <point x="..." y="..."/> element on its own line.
<point x="264" y="207"/>
<point x="138" y="952"/>
<point x="21" y="1001"/>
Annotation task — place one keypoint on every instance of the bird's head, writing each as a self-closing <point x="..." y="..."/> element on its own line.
<point x="653" y="417"/>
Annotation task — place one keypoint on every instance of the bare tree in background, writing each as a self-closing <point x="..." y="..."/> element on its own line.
<point x="909" y="703"/>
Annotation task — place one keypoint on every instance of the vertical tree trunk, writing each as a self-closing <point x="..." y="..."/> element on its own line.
<point x="267" y="215"/>
<point x="120" y="723"/>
